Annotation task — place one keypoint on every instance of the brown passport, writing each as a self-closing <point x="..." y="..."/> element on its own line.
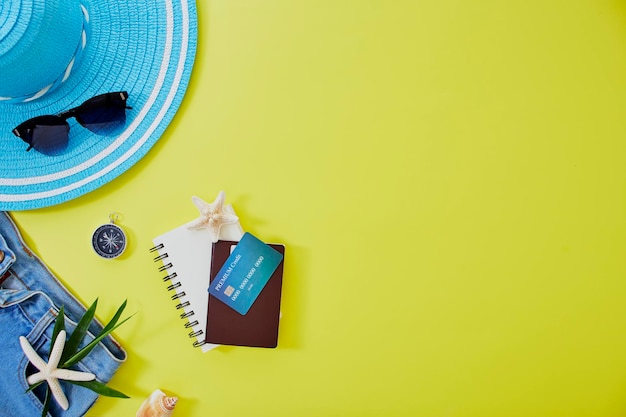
<point x="257" y="328"/>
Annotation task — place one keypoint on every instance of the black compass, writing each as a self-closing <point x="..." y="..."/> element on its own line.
<point x="109" y="240"/>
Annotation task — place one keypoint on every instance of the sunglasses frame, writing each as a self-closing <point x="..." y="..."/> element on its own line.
<point x="112" y="99"/>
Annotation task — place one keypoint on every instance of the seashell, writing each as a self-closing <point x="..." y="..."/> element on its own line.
<point x="158" y="404"/>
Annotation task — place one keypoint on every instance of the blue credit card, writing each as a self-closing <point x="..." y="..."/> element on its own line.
<point x="244" y="274"/>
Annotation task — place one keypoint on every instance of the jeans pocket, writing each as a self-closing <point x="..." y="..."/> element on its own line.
<point x="31" y="314"/>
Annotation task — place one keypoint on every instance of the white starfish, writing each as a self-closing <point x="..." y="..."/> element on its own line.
<point x="49" y="371"/>
<point x="212" y="215"/>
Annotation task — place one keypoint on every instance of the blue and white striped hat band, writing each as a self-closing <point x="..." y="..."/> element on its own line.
<point x="56" y="54"/>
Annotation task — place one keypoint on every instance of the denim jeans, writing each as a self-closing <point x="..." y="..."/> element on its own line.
<point x="30" y="298"/>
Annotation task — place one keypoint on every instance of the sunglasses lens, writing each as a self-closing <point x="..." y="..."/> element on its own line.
<point x="50" y="140"/>
<point x="103" y="114"/>
<point x="46" y="134"/>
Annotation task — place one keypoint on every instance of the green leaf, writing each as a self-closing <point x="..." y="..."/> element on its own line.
<point x="32" y="387"/>
<point x="85" y="351"/>
<point x="113" y="321"/>
<point x="100" y="388"/>
<point x="46" y="403"/>
<point x="59" y="325"/>
<point x="79" y="333"/>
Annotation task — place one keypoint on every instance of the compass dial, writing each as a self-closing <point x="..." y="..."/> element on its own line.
<point x="109" y="241"/>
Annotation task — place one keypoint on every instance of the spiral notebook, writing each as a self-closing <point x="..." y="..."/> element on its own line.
<point x="185" y="255"/>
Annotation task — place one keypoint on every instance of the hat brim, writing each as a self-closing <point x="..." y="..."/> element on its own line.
<point x="144" y="47"/>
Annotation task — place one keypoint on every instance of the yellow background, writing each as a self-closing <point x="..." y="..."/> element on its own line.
<point x="449" y="179"/>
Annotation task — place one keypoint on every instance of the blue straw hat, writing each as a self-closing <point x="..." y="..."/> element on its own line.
<point x="55" y="55"/>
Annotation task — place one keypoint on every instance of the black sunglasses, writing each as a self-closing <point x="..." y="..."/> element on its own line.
<point x="50" y="134"/>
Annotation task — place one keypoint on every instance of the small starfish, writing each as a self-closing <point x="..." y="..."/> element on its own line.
<point x="49" y="371"/>
<point x="212" y="216"/>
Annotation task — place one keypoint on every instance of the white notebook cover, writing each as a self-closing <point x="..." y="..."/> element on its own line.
<point x="189" y="252"/>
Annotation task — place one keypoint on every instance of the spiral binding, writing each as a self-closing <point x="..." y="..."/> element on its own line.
<point x="186" y="315"/>
<point x="195" y="334"/>
<point x="177" y="295"/>
<point x="164" y="267"/>
<point x="191" y="324"/>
